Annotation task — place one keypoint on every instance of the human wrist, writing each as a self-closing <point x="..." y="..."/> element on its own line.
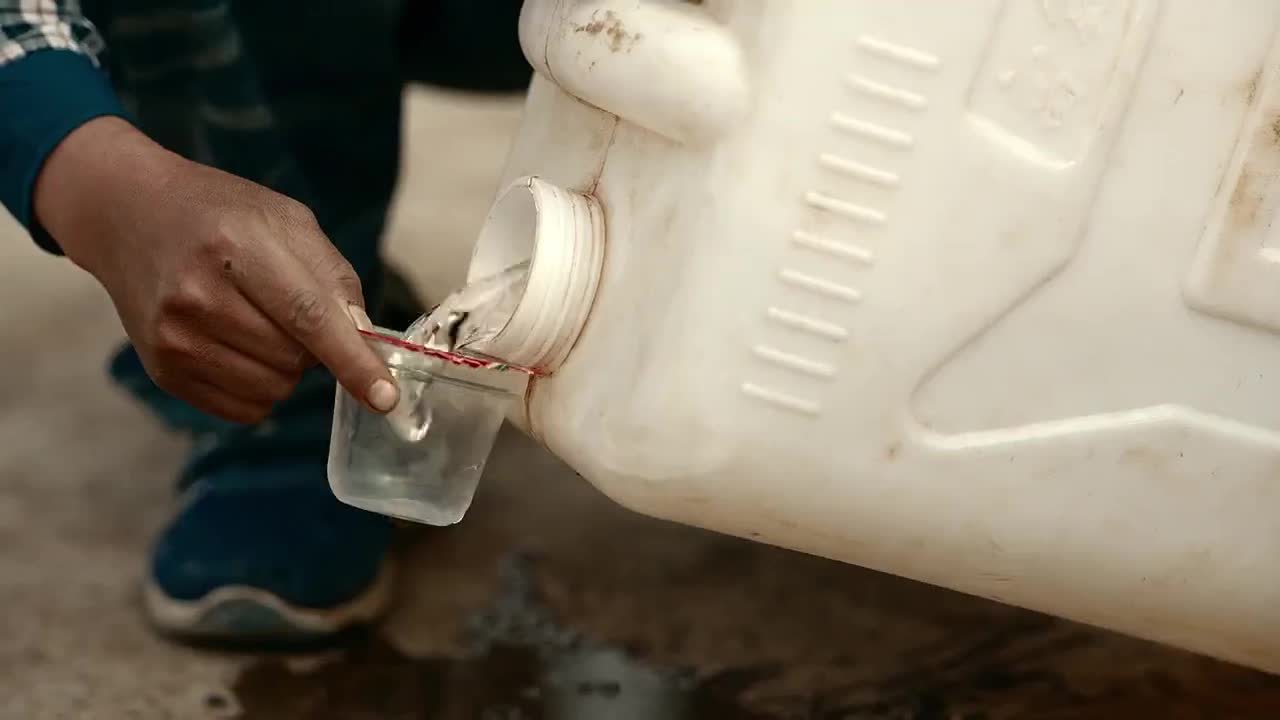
<point x="92" y="181"/>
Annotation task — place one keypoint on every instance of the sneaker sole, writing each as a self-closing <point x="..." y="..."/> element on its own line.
<point x="240" y="616"/>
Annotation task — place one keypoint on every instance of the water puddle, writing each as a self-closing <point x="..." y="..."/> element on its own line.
<point x="522" y="664"/>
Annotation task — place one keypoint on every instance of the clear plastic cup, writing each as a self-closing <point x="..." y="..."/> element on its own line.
<point x="423" y="461"/>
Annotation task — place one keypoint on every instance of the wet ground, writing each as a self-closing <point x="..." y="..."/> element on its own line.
<point x="547" y="602"/>
<point x="556" y="604"/>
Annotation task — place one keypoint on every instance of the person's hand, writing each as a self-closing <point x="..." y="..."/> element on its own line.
<point x="227" y="289"/>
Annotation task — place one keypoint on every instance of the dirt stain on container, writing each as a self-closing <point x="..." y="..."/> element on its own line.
<point x="611" y="26"/>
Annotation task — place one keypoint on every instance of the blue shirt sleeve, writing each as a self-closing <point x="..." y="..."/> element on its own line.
<point x="44" y="96"/>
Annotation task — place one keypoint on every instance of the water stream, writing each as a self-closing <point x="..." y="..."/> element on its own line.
<point x="467" y="319"/>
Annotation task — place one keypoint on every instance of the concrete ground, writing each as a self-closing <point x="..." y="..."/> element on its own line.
<point x="548" y="601"/>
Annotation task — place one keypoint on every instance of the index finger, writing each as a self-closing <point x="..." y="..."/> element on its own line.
<point x="316" y="317"/>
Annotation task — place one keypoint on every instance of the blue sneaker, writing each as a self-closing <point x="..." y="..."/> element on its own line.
<point x="264" y="564"/>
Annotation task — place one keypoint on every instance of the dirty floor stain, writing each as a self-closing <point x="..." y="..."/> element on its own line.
<point x="522" y="662"/>
<point x="523" y="665"/>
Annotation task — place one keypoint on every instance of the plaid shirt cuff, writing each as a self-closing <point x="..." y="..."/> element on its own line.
<point x="53" y="92"/>
<point x="27" y="26"/>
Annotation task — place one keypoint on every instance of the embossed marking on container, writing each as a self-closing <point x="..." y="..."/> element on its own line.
<point x="834" y="248"/>
<point x="804" y="323"/>
<point x="780" y="399"/>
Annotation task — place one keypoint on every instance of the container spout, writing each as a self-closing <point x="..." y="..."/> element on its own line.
<point x="559" y="234"/>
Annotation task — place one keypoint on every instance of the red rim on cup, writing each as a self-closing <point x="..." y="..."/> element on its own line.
<point x="470" y="361"/>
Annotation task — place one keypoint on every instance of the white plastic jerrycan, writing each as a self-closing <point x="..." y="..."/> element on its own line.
<point x="983" y="293"/>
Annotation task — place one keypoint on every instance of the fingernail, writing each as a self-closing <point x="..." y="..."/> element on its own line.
<point x="360" y="317"/>
<point x="383" y="396"/>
